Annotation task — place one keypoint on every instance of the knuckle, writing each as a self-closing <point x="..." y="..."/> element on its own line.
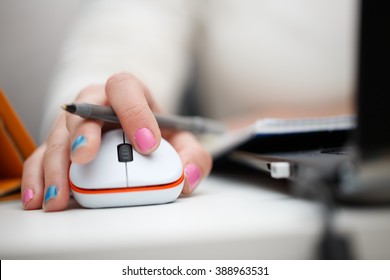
<point x="54" y="149"/>
<point x="133" y="112"/>
<point x="88" y="91"/>
<point x="119" y="80"/>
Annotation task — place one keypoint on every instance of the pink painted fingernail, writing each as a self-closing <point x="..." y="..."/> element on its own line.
<point x="27" y="196"/>
<point x="192" y="173"/>
<point x="145" y="140"/>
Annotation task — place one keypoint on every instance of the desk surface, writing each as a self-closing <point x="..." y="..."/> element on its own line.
<point x="227" y="218"/>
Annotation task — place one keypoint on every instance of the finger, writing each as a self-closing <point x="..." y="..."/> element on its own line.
<point x="196" y="160"/>
<point x="129" y="99"/>
<point x="85" y="135"/>
<point x="32" y="180"/>
<point x="56" y="166"/>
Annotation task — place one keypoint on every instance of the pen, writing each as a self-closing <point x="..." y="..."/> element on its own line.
<point x="105" y="113"/>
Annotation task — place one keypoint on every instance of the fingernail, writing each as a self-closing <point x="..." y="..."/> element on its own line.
<point x="192" y="173"/>
<point x="78" y="142"/>
<point x="27" y="196"/>
<point x="50" y="193"/>
<point x="145" y="140"/>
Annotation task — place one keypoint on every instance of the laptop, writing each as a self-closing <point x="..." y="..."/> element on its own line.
<point x="358" y="163"/>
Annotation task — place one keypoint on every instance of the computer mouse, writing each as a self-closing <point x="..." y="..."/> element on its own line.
<point x="120" y="176"/>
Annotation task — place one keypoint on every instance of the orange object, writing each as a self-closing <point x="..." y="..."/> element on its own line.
<point x="16" y="144"/>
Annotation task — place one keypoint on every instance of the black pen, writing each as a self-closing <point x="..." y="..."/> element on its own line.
<point x="105" y="113"/>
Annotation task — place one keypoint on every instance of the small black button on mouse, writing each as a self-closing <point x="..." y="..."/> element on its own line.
<point x="125" y="152"/>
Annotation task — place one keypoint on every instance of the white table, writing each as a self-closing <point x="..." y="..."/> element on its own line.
<point x="227" y="218"/>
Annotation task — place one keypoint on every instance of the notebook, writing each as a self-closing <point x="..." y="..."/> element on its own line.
<point x="16" y="145"/>
<point x="271" y="134"/>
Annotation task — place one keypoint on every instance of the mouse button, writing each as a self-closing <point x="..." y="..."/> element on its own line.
<point x="97" y="175"/>
<point x="172" y="162"/>
<point x="104" y="171"/>
<point x="114" y="135"/>
<point x="163" y="166"/>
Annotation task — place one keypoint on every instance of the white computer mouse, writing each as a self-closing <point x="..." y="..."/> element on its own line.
<point x="120" y="176"/>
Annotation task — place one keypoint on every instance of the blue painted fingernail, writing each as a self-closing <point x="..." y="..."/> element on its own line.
<point x="50" y="193"/>
<point x="78" y="142"/>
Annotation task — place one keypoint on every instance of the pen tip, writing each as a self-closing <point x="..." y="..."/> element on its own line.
<point x="69" y="108"/>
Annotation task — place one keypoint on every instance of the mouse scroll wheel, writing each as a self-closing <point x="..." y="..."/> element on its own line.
<point x="125" y="152"/>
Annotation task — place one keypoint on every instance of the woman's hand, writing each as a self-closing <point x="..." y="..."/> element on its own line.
<point x="45" y="175"/>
